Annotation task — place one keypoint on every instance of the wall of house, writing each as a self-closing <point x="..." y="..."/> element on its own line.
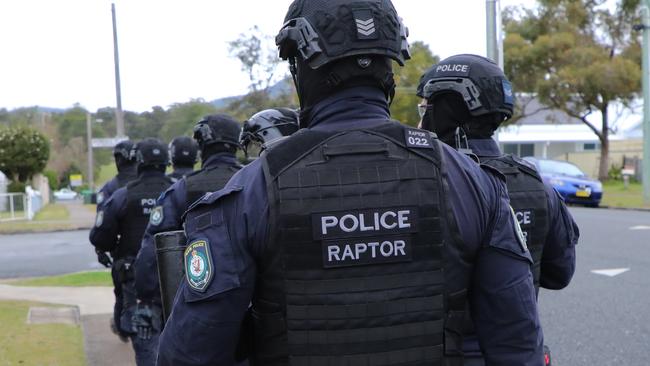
<point x="588" y="161"/>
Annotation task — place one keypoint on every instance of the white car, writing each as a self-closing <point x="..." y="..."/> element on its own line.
<point x="65" y="194"/>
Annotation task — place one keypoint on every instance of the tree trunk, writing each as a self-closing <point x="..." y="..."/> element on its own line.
<point x="603" y="168"/>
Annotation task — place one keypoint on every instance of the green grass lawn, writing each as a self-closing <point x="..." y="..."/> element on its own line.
<point x="37" y="344"/>
<point x="51" y="217"/>
<point x="53" y="211"/>
<point x="616" y="195"/>
<point x="93" y="278"/>
<point x="7" y="214"/>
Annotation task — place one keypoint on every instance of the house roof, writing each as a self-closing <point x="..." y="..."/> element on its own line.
<point x="543" y="124"/>
<point x="537" y="113"/>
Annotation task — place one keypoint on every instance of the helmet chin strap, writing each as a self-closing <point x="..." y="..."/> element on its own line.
<point x="460" y="137"/>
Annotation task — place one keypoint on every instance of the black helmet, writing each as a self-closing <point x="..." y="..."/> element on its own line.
<point x="217" y="128"/>
<point x="322" y="31"/>
<point x="479" y="81"/>
<point x="268" y="125"/>
<point x="151" y="152"/>
<point x="123" y="150"/>
<point x="183" y="151"/>
<point x="331" y="44"/>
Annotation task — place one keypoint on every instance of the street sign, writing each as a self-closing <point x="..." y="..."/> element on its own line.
<point x="108" y="141"/>
<point x="76" y="180"/>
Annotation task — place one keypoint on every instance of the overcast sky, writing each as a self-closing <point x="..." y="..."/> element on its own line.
<point x="56" y="53"/>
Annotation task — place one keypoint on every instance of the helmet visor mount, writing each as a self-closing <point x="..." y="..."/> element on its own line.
<point x="463" y="86"/>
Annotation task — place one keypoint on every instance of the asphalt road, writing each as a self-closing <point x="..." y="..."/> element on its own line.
<point x="601" y="320"/>
<point x="598" y="320"/>
<point x="30" y="255"/>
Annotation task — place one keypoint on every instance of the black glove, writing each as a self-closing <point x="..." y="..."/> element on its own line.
<point x="104" y="258"/>
<point x="142" y="321"/>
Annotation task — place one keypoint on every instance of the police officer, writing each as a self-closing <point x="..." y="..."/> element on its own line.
<point x="346" y="237"/>
<point x="265" y="127"/>
<point x="182" y="153"/>
<point x="126" y="172"/>
<point x="466" y="98"/>
<point x="119" y="228"/>
<point x="217" y="136"/>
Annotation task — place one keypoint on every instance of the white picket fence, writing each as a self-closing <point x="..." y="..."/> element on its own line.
<point x="13" y="206"/>
<point x="20" y="206"/>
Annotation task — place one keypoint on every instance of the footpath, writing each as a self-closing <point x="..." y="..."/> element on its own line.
<point x="95" y="307"/>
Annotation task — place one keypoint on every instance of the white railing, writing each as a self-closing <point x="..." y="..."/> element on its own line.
<point x="14" y="206"/>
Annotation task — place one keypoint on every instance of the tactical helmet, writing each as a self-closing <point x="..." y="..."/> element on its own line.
<point x="478" y="80"/>
<point x="217" y="128"/>
<point x="151" y="152"/>
<point x="268" y="125"/>
<point x="183" y="151"/>
<point x="322" y="31"/>
<point x="123" y="149"/>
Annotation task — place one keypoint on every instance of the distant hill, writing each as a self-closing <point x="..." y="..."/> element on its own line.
<point x="281" y="87"/>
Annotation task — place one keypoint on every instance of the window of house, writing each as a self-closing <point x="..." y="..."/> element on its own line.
<point x="590" y="146"/>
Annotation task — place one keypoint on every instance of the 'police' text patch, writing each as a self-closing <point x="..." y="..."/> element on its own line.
<point x="362" y="237"/>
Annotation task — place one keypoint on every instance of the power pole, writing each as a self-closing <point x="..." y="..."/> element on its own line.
<point x="645" y="18"/>
<point x="119" y="117"/>
<point x="89" y="137"/>
<point x="491" y="32"/>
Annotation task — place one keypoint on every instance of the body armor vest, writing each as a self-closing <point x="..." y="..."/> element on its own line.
<point x="208" y="180"/>
<point x="175" y="176"/>
<point x="354" y="270"/>
<point x="141" y="195"/>
<point x="530" y="203"/>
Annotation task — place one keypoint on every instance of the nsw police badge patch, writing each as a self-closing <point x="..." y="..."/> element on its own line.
<point x="521" y="237"/>
<point x="100" y="197"/>
<point x="198" y="265"/>
<point x="156" y="216"/>
<point x="99" y="220"/>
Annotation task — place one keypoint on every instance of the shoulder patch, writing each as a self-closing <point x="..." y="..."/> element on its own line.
<point x="156" y="216"/>
<point x="198" y="265"/>
<point x="99" y="220"/>
<point x="418" y="138"/>
<point x="100" y="197"/>
<point x="520" y="233"/>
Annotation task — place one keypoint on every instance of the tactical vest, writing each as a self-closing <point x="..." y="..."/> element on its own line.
<point x="208" y="180"/>
<point x="175" y="176"/>
<point x="141" y="195"/>
<point x="354" y="270"/>
<point x="530" y="203"/>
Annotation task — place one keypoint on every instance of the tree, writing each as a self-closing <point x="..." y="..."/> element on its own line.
<point x="578" y="56"/>
<point x="259" y="60"/>
<point x="407" y="78"/>
<point x="23" y="152"/>
<point x="183" y="116"/>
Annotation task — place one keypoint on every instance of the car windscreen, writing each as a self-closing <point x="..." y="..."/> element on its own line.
<point x="560" y="168"/>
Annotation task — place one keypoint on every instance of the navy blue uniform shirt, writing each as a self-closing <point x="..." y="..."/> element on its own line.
<point x="559" y="255"/>
<point x="104" y="235"/>
<point x="113" y="185"/>
<point x="204" y="326"/>
<point x="174" y="203"/>
<point x="180" y="172"/>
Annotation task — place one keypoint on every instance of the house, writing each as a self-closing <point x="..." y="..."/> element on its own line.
<point x="549" y="133"/>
